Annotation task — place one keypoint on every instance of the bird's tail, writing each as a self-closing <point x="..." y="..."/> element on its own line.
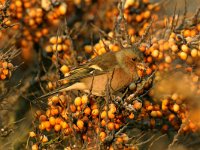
<point x="60" y="89"/>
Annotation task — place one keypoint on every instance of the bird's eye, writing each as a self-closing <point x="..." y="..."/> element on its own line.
<point x="133" y="59"/>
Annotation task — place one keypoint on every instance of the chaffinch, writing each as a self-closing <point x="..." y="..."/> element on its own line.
<point x="120" y="67"/>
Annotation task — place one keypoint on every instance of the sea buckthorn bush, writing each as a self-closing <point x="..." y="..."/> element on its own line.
<point x="43" y="41"/>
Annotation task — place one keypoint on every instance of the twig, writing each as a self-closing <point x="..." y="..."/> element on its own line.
<point x="175" y="139"/>
<point x="158" y="138"/>
<point x="195" y="18"/>
<point x="71" y="45"/>
<point x="146" y="141"/>
<point x="144" y="36"/>
<point x="129" y="99"/>
<point x="184" y="15"/>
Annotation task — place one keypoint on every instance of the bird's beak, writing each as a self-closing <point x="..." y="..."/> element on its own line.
<point x="141" y="66"/>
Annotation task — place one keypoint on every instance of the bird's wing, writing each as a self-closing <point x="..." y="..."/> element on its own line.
<point x="97" y="66"/>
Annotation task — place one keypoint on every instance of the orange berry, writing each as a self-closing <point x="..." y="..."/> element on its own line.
<point x="117" y="126"/>
<point x="35" y="147"/>
<point x="42" y="126"/>
<point x="55" y="40"/>
<point x="111" y="126"/>
<point x="159" y="113"/>
<point x="193" y="32"/>
<point x="95" y="112"/>
<point x="183" y="55"/>
<point x="94" y="106"/>
<point x="103" y="114"/>
<point x="43" y="138"/>
<point x="113" y="108"/>
<point x="187" y="33"/>
<point x="58" y="120"/>
<point x="5" y="72"/>
<point x="185" y="48"/>
<point x="137" y="105"/>
<point x="148" y="71"/>
<point x="115" y="48"/>
<point x="101" y="51"/>
<point x="103" y="123"/>
<point x="125" y="137"/>
<point x="32" y="134"/>
<point x="84" y="99"/>
<point x="138" y="18"/>
<point x="149" y="59"/>
<point x="88" y="48"/>
<point x="3" y="77"/>
<point x="64" y="47"/>
<point x="52" y="121"/>
<point x="62" y="8"/>
<point x="147" y="14"/>
<point x="154" y="113"/>
<point x="38" y="113"/>
<point x="166" y="46"/>
<point x="102" y="136"/>
<point x="57" y="127"/>
<point x="176" y="107"/>
<point x="18" y="3"/>
<point x="77" y="101"/>
<point x="194" y="53"/>
<point x="48" y="49"/>
<point x="131" y="31"/>
<point x="111" y="115"/>
<point x="64" y="125"/>
<point x="171" y="117"/>
<point x="55" y="99"/>
<point x="64" y="69"/>
<point x="119" y="140"/>
<point x="142" y="48"/>
<point x="155" y="53"/>
<point x="54" y="111"/>
<point x="47" y="124"/>
<point x="87" y="111"/>
<point x="72" y="108"/>
<point x="174" y="48"/>
<point x="43" y="118"/>
<point x="131" y="116"/>
<point x="149" y="108"/>
<point x="80" y="124"/>
<point x="4" y="64"/>
<point x="175" y="96"/>
<point x="78" y="108"/>
<point x="168" y="59"/>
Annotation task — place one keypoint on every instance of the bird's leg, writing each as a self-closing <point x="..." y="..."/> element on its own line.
<point x="91" y="87"/>
<point x="139" y="80"/>
<point x="110" y="81"/>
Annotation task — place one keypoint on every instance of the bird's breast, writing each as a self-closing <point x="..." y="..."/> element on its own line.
<point x="117" y="79"/>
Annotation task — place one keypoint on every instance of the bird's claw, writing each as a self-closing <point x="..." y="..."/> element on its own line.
<point x="138" y="80"/>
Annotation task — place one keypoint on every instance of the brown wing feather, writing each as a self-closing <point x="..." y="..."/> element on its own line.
<point x="106" y="62"/>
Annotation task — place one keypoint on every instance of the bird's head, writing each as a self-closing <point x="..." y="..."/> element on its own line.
<point x="131" y="58"/>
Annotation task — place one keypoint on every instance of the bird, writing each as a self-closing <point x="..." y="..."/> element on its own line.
<point x="92" y="77"/>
